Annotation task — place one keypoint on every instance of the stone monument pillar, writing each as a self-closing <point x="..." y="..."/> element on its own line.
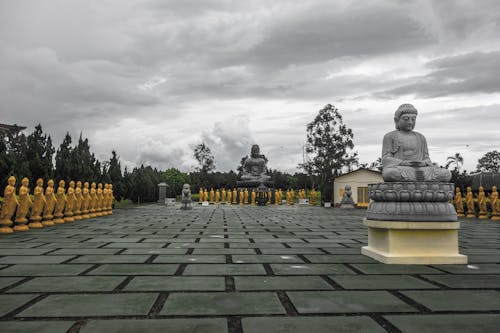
<point x="162" y="192"/>
<point x="410" y="219"/>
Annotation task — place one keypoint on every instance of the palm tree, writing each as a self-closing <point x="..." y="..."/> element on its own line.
<point x="457" y="160"/>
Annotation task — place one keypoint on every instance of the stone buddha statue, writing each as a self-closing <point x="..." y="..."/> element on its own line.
<point x="405" y="156"/>
<point x="254" y="167"/>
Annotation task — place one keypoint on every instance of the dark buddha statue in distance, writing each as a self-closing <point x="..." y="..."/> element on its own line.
<point x="254" y="167"/>
<point x="405" y="156"/>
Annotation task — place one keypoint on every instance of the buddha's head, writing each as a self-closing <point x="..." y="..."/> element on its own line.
<point x="86" y="185"/>
<point x="92" y="185"/>
<point x="79" y="184"/>
<point x="50" y="183"/>
<point x="255" y="152"/>
<point x="11" y="181"/>
<point x="39" y="182"/>
<point x="493" y="188"/>
<point x="62" y="183"/>
<point x="25" y="181"/>
<point x="72" y="184"/>
<point x="405" y="117"/>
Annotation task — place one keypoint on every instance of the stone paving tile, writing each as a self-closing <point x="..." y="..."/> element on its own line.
<point x="154" y="251"/>
<point x="134" y="245"/>
<point x="84" y="251"/>
<point x="395" y="269"/>
<point x="347" y="302"/>
<point x="471" y="269"/>
<point x="224" y="251"/>
<point x="216" y="259"/>
<point x="204" y="325"/>
<point x="467" y="281"/>
<point x="310" y="269"/>
<point x="135" y="269"/>
<point x="222" y="304"/>
<point x="339" y="258"/>
<point x="68" y="284"/>
<point x="292" y="251"/>
<point x="7" y="281"/>
<point x="34" y="259"/>
<point x="176" y="283"/>
<point x="449" y="323"/>
<point x="43" y="270"/>
<point x="457" y="300"/>
<point x="224" y="269"/>
<point x="35" y="326"/>
<point x="91" y="305"/>
<point x="310" y="324"/>
<point x="281" y="283"/>
<point x="9" y="303"/>
<point x="375" y="282"/>
<point x="23" y="252"/>
<point x="108" y="259"/>
<point x="263" y="258"/>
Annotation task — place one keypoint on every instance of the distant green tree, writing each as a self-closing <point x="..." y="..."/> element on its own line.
<point x="175" y="180"/>
<point x="116" y="177"/>
<point x="64" y="160"/>
<point x="6" y="161"/>
<point x="457" y="160"/>
<point x="330" y="143"/>
<point x="205" y="158"/>
<point x="39" y="154"/>
<point x="490" y="162"/>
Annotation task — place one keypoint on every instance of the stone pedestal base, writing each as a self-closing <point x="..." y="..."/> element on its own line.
<point x="424" y="243"/>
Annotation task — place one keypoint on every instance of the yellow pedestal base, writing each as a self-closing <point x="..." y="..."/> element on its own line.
<point x="421" y="243"/>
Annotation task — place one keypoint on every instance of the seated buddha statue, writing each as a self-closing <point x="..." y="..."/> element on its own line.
<point x="405" y="156"/>
<point x="254" y="167"/>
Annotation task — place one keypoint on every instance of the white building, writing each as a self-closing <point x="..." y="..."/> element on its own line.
<point x="358" y="180"/>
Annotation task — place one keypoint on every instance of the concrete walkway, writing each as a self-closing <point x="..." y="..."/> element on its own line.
<point x="238" y="269"/>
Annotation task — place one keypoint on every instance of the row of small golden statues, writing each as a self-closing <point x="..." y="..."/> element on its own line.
<point x="481" y="202"/>
<point x="244" y="196"/>
<point x="52" y="207"/>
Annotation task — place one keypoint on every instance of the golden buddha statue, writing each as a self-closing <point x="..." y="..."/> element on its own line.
<point x="269" y="197"/>
<point x="111" y="199"/>
<point x="205" y="195"/>
<point x="93" y="200"/>
<point x="229" y="196"/>
<point x="253" y="196"/>
<point x="217" y="196"/>
<point x="469" y="198"/>
<point x="9" y="206"/>
<point x="38" y="204"/>
<point x="61" y="203"/>
<point x="292" y="197"/>
<point x="98" y="208"/>
<point x="70" y="203"/>
<point x="241" y="194"/>
<point x="281" y="196"/>
<point x="87" y="199"/>
<point x="235" y="196"/>
<point x="77" y="209"/>
<point x="200" y="196"/>
<point x="212" y="196"/>
<point x="104" y="208"/>
<point x="223" y="194"/>
<point x="481" y="200"/>
<point x="23" y="206"/>
<point x="459" y="207"/>
<point x="245" y="196"/>
<point x="495" y="204"/>
<point x="50" y="204"/>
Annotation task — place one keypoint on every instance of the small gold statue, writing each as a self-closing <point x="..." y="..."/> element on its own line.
<point x="276" y="197"/>
<point x="111" y="199"/>
<point x="229" y="196"/>
<point x="235" y="196"/>
<point x="223" y="196"/>
<point x="312" y="197"/>
<point x="292" y="197"/>
<point x="269" y="197"/>
<point x="212" y="196"/>
<point x="9" y="206"/>
<point x="469" y="198"/>
<point x="253" y="196"/>
<point x="459" y="207"/>
<point x="77" y="209"/>
<point x="50" y="204"/>
<point x="87" y="199"/>
<point x="93" y="200"/>
<point x="200" y="196"/>
<point x="61" y="203"/>
<point x="481" y="200"/>
<point x="205" y="195"/>
<point x="70" y="203"/>
<point x="23" y="206"/>
<point x="495" y="204"/>
<point x="217" y="196"/>
<point x="245" y="195"/>
<point x="241" y="194"/>
<point x="98" y="208"/>
<point x="38" y="204"/>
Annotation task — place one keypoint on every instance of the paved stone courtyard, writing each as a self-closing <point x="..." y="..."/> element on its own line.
<point x="238" y="269"/>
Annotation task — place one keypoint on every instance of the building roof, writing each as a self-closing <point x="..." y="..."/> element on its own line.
<point x="360" y="169"/>
<point x="11" y="128"/>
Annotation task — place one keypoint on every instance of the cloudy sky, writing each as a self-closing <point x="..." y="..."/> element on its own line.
<point x="151" y="79"/>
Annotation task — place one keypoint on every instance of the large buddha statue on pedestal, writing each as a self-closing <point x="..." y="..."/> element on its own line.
<point x="254" y="167"/>
<point x="405" y="156"/>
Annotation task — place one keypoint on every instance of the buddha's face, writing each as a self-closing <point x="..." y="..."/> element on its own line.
<point x="255" y="151"/>
<point x="39" y="182"/>
<point x="407" y="122"/>
<point x="25" y="181"/>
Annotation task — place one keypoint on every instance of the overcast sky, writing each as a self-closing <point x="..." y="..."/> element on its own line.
<point x="151" y="79"/>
